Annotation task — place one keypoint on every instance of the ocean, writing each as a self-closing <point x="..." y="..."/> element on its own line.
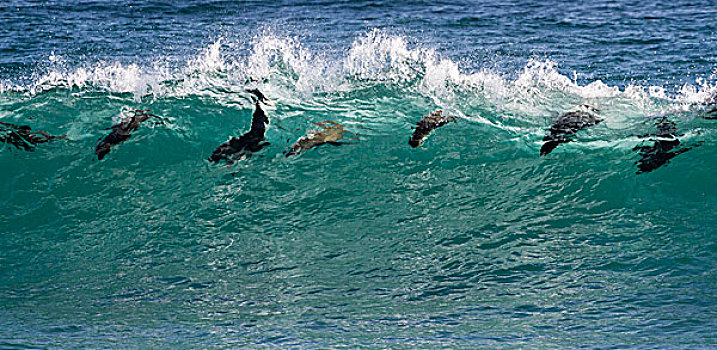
<point x="472" y="240"/>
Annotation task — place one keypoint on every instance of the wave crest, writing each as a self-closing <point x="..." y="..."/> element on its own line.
<point x="289" y="72"/>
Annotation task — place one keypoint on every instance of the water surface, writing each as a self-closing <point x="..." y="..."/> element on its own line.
<point x="471" y="240"/>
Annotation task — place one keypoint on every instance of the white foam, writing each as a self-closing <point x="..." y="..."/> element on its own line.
<point x="291" y="74"/>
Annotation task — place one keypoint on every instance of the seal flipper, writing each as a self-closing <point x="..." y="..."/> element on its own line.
<point x="550" y="145"/>
<point x="20" y="141"/>
<point x="678" y="152"/>
<point x="259" y="95"/>
<point x="101" y="152"/>
<point x="259" y="146"/>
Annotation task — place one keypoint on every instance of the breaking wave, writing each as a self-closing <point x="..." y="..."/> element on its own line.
<point x="292" y="74"/>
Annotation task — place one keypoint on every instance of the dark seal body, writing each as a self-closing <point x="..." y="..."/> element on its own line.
<point x="22" y="136"/>
<point x="244" y="145"/>
<point x="567" y="124"/>
<point x="665" y="142"/>
<point x="121" y="132"/>
<point x="329" y="132"/>
<point x="427" y="124"/>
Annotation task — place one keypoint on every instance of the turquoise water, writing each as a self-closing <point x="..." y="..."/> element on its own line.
<point x="472" y="240"/>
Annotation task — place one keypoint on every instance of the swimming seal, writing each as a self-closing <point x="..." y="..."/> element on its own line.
<point x="329" y="132"/>
<point x="252" y="141"/>
<point x="567" y="124"/>
<point x="22" y="136"/>
<point x="427" y="124"/>
<point x="121" y="131"/>
<point x="665" y="140"/>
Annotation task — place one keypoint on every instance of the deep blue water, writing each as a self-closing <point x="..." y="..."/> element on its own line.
<point x="472" y="240"/>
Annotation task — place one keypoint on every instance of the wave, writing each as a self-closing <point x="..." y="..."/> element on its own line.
<point x="292" y="75"/>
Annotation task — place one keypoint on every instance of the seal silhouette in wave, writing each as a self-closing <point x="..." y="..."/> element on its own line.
<point x="665" y="143"/>
<point x="22" y="136"/>
<point x="566" y="125"/>
<point x="121" y="131"/>
<point x="328" y="132"/>
<point x="427" y="124"/>
<point x="252" y="141"/>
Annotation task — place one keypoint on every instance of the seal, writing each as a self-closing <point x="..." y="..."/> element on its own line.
<point x="252" y="141"/>
<point x="566" y="125"/>
<point x="665" y="140"/>
<point x="328" y="132"/>
<point x="22" y="136"/>
<point x="433" y="121"/>
<point x="121" y="131"/>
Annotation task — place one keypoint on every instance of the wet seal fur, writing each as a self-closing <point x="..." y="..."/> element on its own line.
<point x="427" y="124"/>
<point x="22" y="136"/>
<point x="121" y="131"/>
<point x="665" y="141"/>
<point x="328" y="132"/>
<point x="567" y="124"/>
<point x="252" y="141"/>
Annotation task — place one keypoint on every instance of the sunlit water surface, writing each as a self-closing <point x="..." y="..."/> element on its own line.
<point x="471" y="240"/>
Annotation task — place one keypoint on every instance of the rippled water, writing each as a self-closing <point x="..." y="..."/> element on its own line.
<point x="471" y="240"/>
